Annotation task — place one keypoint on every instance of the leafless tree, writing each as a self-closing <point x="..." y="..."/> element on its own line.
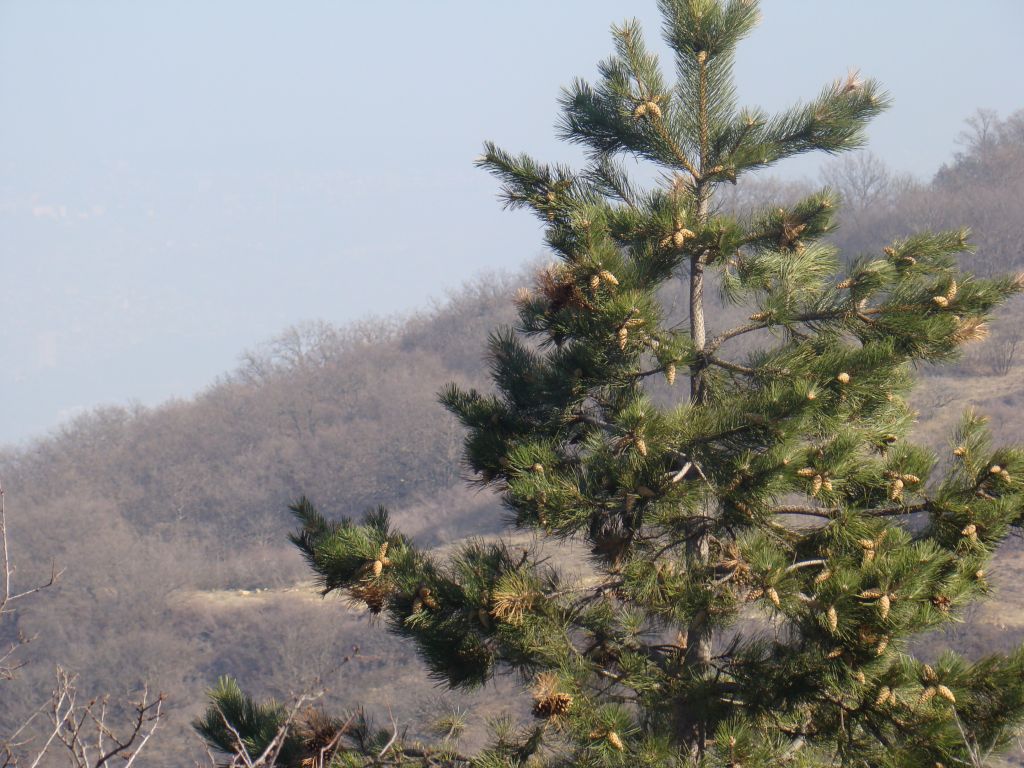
<point x="83" y="730"/>
<point x="981" y="134"/>
<point x="9" y="662"/>
<point x="1003" y="350"/>
<point x="81" y="733"/>
<point x="863" y="181"/>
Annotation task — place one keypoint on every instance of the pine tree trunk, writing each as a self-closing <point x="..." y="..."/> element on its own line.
<point x="697" y="324"/>
<point x="693" y="731"/>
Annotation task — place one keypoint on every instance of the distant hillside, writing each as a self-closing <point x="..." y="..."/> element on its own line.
<point x="171" y="521"/>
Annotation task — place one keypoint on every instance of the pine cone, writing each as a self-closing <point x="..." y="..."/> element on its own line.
<point x="615" y="741"/>
<point x="866" y="635"/>
<point x="942" y="602"/>
<point x="883" y="606"/>
<point x="374" y="594"/>
<point x="869" y="549"/>
<point x="816" y="485"/>
<point x="623" y="337"/>
<point x="554" y="705"/>
<point x="883" y="696"/>
<point x="833" y="618"/>
<point x="896" y="489"/>
<point x="680" y="236"/>
<point x="427" y="598"/>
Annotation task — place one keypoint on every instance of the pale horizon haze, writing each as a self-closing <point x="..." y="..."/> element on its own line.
<point x="180" y="181"/>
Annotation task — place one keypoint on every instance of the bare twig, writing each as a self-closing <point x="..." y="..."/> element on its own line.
<point x="682" y="472"/>
<point x="394" y="734"/>
<point x="804" y="564"/>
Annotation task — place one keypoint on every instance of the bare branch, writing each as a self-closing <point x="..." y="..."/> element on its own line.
<point x="828" y="513"/>
<point x="394" y="734"/>
<point x="804" y="564"/>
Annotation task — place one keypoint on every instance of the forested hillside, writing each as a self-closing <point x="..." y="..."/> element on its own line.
<point x="171" y="522"/>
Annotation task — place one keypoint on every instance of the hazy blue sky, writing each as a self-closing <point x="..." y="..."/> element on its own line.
<point x="180" y="180"/>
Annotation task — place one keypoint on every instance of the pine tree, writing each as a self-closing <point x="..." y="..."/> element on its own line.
<point x="766" y="539"/>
